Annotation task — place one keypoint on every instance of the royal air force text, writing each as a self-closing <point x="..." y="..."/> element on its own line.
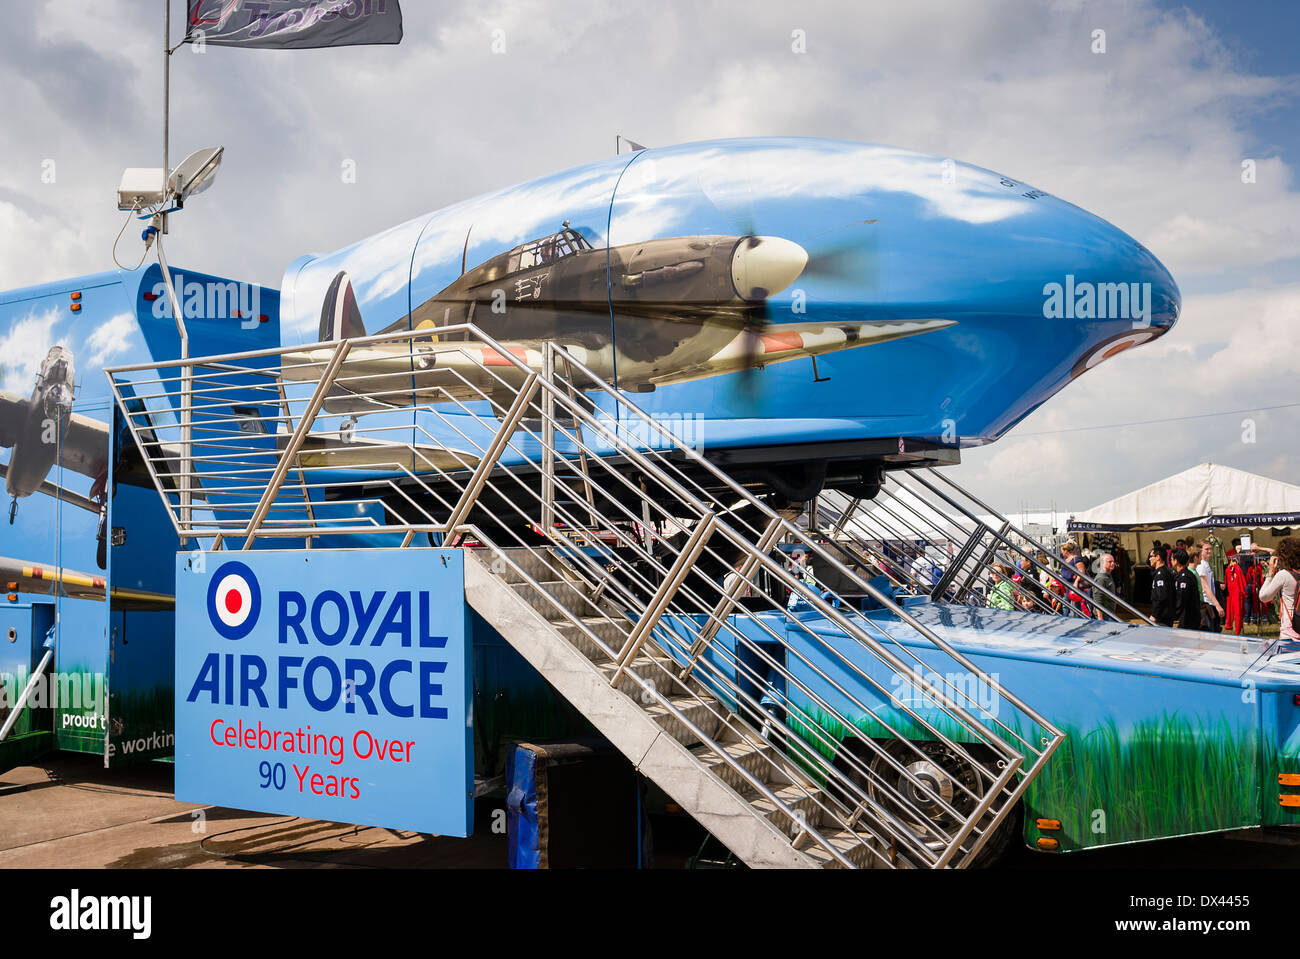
<point x="400" y="687"/>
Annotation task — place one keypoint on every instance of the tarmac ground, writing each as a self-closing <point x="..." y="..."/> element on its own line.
<point x="70" y="812"/>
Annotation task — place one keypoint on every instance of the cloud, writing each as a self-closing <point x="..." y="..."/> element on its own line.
<point x="23" y="346"/>
<point x="110" y="340"/>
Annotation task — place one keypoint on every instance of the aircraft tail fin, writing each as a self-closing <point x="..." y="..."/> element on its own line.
<point x="340" y="317"/>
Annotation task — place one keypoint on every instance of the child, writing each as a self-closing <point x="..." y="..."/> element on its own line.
<point x="1001" y="596"/>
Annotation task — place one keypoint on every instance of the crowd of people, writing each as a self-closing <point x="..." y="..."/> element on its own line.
<point x="1203" y="586"/>
<point x="1062" y="589"/>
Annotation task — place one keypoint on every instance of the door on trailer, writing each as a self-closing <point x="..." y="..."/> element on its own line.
<point x="141" y="636"/>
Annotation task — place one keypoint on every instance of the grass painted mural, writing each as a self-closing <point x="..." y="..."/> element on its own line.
<point x="1170" y="775"/>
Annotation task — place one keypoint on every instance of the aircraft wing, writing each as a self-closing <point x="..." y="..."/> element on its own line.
<point x="85" y="446"/>
<point x="382" y="376"/>
<point x="85" y="443"/>
<point x="13" y="411"/>
<point x="53" y="490"/>
<point x="792" y="341"/>
<point x="20" y="577"/>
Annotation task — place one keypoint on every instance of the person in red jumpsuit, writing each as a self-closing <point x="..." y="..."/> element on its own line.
<point x="1236" y="582"/>
<point x="1254" y="580"/>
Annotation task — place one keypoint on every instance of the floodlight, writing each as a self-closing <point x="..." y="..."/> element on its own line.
<point x="195" y="174"/>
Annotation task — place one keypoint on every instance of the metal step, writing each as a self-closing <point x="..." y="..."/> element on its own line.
<point x="705" y="713"/>
<point x="651" y="666"/>
<point x="542" y="564"/>
<point x="855" y="847"/>
<point x="570" y="596"/>
<point x="611" y="631"/>
<point x="805" y="799"/>
<point x="757" y="759"/>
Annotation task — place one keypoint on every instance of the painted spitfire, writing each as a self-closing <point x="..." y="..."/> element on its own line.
<point x="683" y="308"/>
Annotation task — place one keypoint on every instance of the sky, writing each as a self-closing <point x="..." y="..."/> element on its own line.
<point x="1150" y="134"/>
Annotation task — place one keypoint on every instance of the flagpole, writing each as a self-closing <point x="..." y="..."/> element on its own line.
<point x="187" y="372"/>
<point x="167" y="77"/>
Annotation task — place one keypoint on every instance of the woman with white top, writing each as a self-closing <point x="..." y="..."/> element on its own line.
<point x="1282" y="582"/>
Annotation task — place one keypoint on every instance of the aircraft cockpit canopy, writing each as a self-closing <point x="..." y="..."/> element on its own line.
<point x="546" y="250"/>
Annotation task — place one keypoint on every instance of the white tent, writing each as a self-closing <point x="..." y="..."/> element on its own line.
<point x="1205" y="496"/>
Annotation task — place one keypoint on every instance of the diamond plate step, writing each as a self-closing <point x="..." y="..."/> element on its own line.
<point x="651" y="668"/>
<point x="612" y="634"/>
<point x="705" y="713"/>
<point x="804" y="799"/>
<point x="855" y="847"/>
<point x="758" y="760"/>
<point x="569" y="596"/>
<point x="542" y="565"/>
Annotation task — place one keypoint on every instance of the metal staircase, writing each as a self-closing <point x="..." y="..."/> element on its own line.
<point x="646" y="586"/>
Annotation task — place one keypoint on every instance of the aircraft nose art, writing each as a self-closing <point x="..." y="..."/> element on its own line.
<point x="764" y="265"/>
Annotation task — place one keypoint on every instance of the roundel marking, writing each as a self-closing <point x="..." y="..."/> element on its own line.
<point x="234" y="600"/>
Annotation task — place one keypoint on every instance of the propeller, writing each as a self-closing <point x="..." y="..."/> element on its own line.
<point x="849" y="252"/>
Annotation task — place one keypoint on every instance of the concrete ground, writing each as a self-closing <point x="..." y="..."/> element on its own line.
<point x="70" y="812"/>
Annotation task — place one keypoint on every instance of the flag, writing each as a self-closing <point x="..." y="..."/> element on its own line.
<point x="293" y="24"/>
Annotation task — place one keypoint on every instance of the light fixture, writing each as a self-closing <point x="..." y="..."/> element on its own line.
<point x="144" y="187"/>
<point x="195" y="173"/>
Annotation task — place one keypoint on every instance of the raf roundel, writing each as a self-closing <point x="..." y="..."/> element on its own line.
<point x="234" y="600"/>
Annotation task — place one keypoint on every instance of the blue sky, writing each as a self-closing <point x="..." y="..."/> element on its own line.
<point x="1263" y="36"/>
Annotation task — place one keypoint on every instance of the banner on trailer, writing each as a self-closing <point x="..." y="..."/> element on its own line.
<point x="293" y="24"/>
<point x="329" y="684"/>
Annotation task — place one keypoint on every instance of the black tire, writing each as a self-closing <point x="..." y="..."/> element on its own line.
<point x="881" y="778"/>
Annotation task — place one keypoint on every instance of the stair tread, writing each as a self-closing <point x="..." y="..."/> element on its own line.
<point x="683" y="703"/>
<point x="642" y="661"/>
<point x="737" y="749"/>
<point x="788" y="793"/>
<point x="848" y="844"/>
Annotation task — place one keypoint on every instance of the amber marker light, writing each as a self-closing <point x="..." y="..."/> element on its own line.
<point x="1048" y="825"/>
<point x="1049" y="843"/>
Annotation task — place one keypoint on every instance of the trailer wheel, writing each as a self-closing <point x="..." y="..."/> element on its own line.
<point x="942" y="770"/>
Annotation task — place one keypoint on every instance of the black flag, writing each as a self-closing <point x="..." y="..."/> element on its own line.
<point x="293" y="24"/>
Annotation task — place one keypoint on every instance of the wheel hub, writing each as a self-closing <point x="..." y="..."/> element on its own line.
<point x="935" y="780"/>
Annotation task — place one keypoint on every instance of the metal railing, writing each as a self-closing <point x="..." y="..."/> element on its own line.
<point x="937" y="539"/>
<point x="868" y="736"/>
